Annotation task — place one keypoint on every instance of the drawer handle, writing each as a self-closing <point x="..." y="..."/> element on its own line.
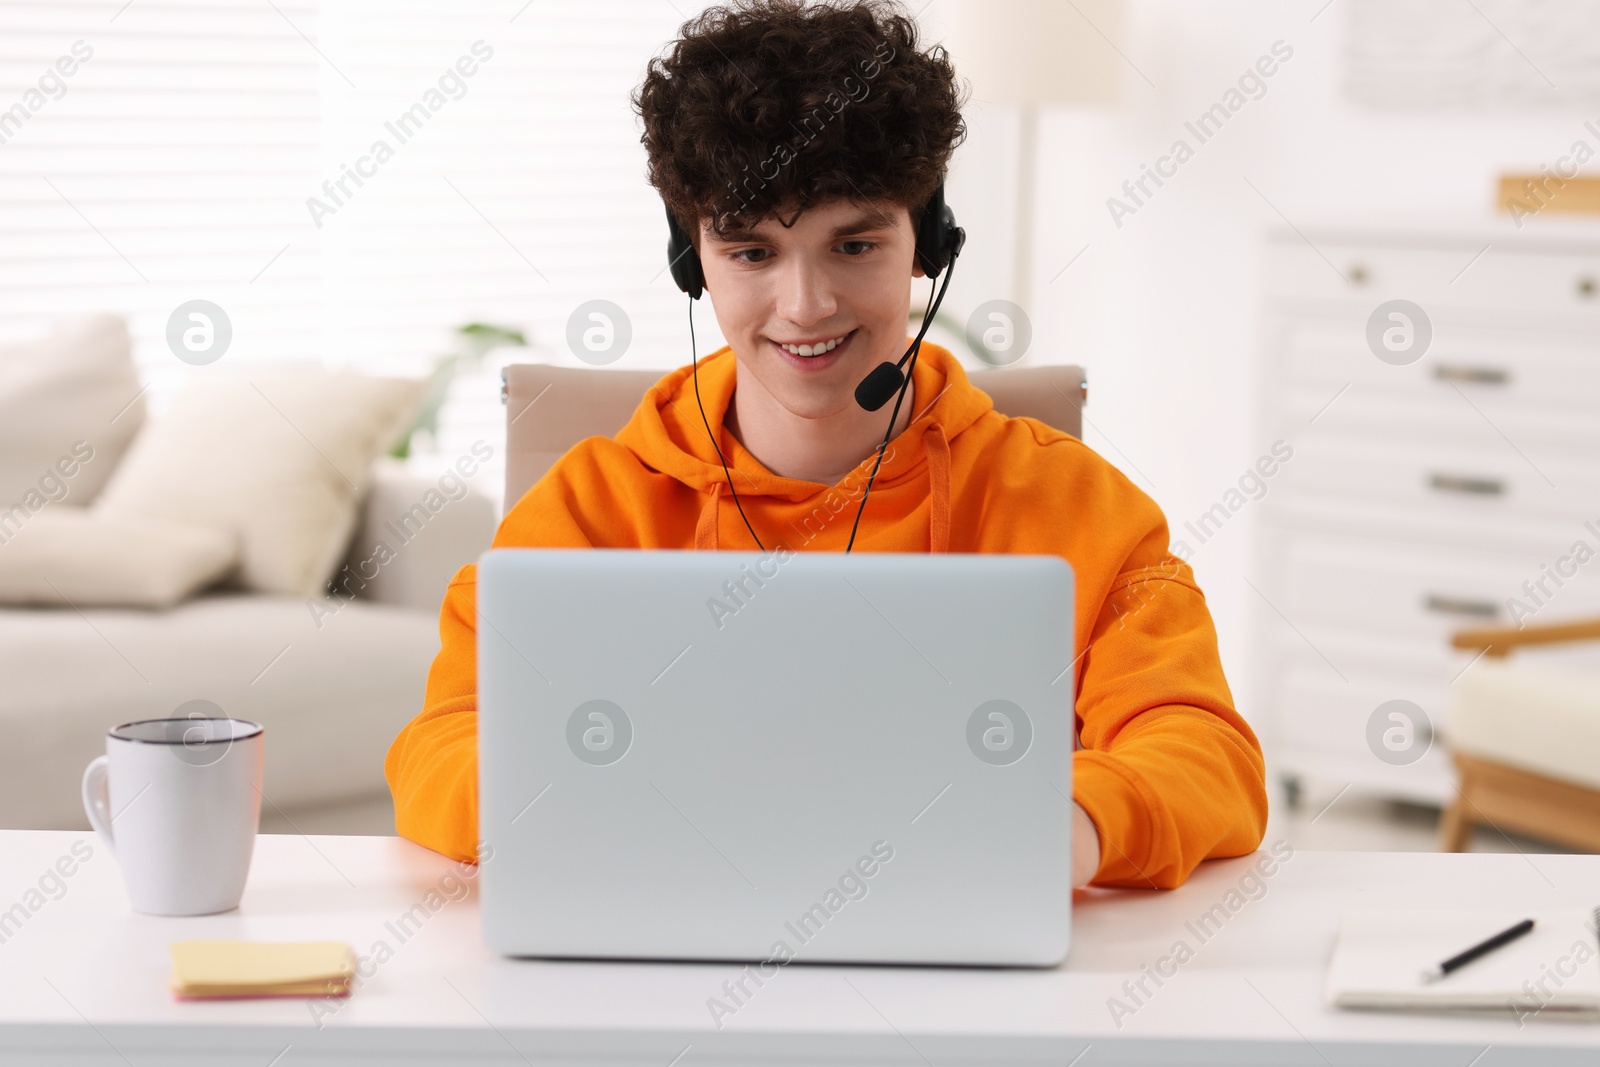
<point x="1466" y="483"/>
<point x="1449" y="605"/>
<point x="1446" y="372"/>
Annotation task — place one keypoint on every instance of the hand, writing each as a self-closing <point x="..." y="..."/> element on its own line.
<point x="1085" y="847"/>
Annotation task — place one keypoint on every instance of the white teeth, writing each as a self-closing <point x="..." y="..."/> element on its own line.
<point x="815" y="350"/>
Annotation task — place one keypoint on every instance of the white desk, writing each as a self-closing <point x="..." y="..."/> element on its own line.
<point x="83" y="978"/>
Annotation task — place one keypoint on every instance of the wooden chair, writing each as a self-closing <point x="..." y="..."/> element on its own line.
<point x="1525" y="740"/>
<point x="549" y="408"/>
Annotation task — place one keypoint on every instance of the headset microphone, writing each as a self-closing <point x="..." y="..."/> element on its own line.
<point x="876" y="388"/>
<point x="939" y="242"/>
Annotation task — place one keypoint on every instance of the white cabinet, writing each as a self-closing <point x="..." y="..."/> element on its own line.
<point x="1425" y="493"/>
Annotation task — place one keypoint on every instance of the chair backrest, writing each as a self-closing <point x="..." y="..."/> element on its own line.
<point x="549" y="409"/>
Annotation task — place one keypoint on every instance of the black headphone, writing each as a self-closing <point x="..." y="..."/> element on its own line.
<point x="939" y="242"/>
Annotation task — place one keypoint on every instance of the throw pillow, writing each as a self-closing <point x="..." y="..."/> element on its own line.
<point x="282" y="458"/>
<point x="79" y="557"/>
<point x="69" y="406"/>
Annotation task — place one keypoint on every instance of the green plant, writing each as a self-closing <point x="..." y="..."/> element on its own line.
<point x="474" y="341"/>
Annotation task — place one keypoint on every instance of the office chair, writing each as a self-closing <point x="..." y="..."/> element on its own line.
<point x="549" y="408"/>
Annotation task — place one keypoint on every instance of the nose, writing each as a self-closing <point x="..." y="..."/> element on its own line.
<point x="805" y="293"/>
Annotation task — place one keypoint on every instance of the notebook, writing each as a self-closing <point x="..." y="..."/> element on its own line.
<point x="1553" y="971"/>
<point x="207" y="969"/>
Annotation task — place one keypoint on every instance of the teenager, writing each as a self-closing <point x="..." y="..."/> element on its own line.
<point x="798" y="147"/>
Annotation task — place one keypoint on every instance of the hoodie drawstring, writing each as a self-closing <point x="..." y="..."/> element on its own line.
<point x="705" y="530"/>
<point x="939" y="487"/>
<point x="938" y="447"/>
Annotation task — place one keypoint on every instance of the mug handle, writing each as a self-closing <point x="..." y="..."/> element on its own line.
<point x="97" y="799"/>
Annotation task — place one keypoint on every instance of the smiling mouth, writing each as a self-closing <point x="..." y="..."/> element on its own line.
<point x="821" y="349"/>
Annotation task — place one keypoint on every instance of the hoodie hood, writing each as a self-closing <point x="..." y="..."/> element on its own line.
<point x="667" y="435"/>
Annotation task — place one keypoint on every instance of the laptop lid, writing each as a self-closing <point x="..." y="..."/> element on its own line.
<point x="738" y="756"/>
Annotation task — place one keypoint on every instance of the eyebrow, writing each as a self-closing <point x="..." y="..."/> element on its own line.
<point x="871" y="220"/>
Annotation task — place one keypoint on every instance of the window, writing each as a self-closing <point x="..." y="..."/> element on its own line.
<point x="187" y="153"/>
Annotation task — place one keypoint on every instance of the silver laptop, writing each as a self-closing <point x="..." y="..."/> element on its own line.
<point x="787" y="757"/>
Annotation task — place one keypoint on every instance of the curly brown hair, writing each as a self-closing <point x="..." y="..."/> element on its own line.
<point x="766" y="103"/>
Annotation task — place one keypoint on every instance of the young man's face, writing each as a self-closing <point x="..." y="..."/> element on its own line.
<point x="842" y="271"/>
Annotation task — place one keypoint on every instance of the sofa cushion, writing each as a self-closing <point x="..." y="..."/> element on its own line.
<point x="79" y="557"/>
<point x="281" y="457"/>
<point x="1539" y="718"/>
<point x="69" y="405"/>
<point x="332" y="696"/>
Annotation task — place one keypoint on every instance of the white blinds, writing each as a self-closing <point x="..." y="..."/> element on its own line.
<point x="164" y="168"/>
<point x="177" y="161"/>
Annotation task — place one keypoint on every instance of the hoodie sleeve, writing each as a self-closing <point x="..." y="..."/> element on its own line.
<point x="432" y="765"/>
<point x="1169" y="772"/>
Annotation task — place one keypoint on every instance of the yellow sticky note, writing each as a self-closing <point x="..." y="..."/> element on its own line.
<point x="261" y="968"/>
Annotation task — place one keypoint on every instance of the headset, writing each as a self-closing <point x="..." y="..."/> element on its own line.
<point x="939" y="242"/>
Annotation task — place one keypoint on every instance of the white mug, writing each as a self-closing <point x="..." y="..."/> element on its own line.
<point x="178" y="802"/>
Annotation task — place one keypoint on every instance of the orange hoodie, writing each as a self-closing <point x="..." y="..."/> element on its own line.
<point x="1168" y="771"/>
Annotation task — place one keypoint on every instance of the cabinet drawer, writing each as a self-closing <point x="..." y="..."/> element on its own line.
<point x="1331" y="716"/>
<point x="1447" y="274"/>
<point x="1533" y="432"/>
<point x="1493" y="369"/>
<point x="1324" y="729"/>
<point x="1428" y="594"/>
<point x="1415" y="527"/>
<point x="1449" y="481"/>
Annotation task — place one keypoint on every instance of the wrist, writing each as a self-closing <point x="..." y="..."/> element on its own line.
<point x="1085" y="847"/>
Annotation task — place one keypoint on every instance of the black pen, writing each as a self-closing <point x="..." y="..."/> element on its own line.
<point x="1461" y="959"/>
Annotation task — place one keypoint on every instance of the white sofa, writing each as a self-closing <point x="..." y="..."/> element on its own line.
<point x="332" y="688"/>
<point x="332" y="696"/>
<point x="332" y="680"/>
